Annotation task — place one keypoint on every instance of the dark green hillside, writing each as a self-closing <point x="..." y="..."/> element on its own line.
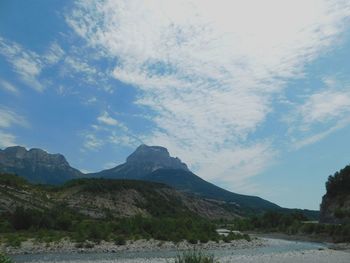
<point x="190" y="183"/>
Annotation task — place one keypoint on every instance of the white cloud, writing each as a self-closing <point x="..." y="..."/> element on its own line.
<point x="325" y="106"/>
<point x="210" y="69"/>
<point x="7" y="139"/>
<point x="298" y="144"/>
<point x="92" y="142"/>
<point x="109" y="130"/>
<point x="54" y="54"/>
<point x="80" y="66"/>
<point x="124" y="140"/>
<point x="7" y="86"/>
<point x="9" y="118"/>
<point x="321" y="113"/>
<point x="104" y="118"/>
<point x="26" y="64"/>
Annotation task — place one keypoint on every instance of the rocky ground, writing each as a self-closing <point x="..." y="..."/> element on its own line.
<point x="66" y="246"/>
<point x="256" y="251"/>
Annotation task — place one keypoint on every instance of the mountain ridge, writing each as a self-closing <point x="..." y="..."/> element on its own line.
<point x="147" y="163"/>
<point x="154" y="163"/>
<point x="100" y="198"/>
<point x="37" y="165"/>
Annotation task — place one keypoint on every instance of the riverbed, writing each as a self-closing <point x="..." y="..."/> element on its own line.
<point x="273" y="250"/>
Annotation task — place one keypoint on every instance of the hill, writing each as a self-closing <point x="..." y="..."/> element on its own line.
<point x="87" y="211"/>
<point x="102" y="198"/>
<point x="335" y="206"/>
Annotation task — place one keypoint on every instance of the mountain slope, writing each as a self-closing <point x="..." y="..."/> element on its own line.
<point x="153" y="163"/>
<point x="36" y="165"/>
<point x="190" y="183"/>
<point x="100" y="198"/>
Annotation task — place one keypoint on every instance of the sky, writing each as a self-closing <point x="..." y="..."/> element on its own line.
<point x="253" y="95"/>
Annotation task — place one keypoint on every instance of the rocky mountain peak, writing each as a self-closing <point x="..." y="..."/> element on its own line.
<point x="158" y="156"/>
<point x="38" y="155"/>
<point x="36" y="165"/>
<point x="15" y="151"/>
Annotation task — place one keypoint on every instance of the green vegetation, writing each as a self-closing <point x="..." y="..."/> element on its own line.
<point x="335" y="204"/>
<point x="12" y="180"/>
<point x="52" y="225"/>
<point x="167" y="218"/>
<point x="293" y="224"/>
<point x="4" y="259"/>
<point x="339" y="183"/>
<point x="195" y="256"/>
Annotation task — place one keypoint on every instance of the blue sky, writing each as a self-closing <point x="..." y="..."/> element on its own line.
<point x="253" y="95"/>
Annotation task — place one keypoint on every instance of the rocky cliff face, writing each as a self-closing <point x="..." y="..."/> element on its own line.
<point x="37" y="165"/>
<point x="144" y="160"/>
<point x="155" y="156"/>
<point x="335" y="206"/>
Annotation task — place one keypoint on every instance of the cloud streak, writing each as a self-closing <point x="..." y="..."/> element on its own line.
<point x="26" y="64"/>
<point x="8" y="119"/>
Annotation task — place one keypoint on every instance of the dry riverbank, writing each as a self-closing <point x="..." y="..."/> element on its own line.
<point x="66" y="246"/>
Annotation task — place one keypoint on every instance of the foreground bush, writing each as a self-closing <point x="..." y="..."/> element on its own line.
<point x="4" y="259"/>
<point x="195" y="257"/>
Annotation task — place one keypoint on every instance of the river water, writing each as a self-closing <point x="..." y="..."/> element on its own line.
<point x="273" y="246"/>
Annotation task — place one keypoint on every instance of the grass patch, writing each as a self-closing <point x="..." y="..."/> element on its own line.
<point x="195" y="256"/>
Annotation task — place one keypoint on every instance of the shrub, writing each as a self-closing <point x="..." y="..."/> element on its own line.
<point x="195" y="256"/>
<point x="4" y="259"/>
<point x="120" y="241"/>
<point x="13" y="241"/>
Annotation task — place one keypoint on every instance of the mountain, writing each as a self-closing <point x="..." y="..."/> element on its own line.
<point x="154" y="163"/>
<point x="144" y="160"/>
<point x="101" y="198"/>
<point x="36" y="165"/>
<point x="335" y="206"/>
<point x="146" y="163"/>
<point x="188" y="182"/>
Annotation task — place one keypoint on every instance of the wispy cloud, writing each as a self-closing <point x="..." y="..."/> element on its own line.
<point x="54" y="54"/>
<point x="26" y="64"/>
<point x="325" y="106"/>
<point x="209" y="70"/>
<point x="109" y="130"/>
<point x="7" y="139"/>
<point x="8" y="119"/>
<point x="321" y="113"/>
<point x="91" y="142"/>
<point x="104" y="118"/>
<point x="7" y="86"/>
<point x="297" y="144"/>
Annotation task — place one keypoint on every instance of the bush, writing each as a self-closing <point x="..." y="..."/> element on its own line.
<point x="195" y="256"/>
<point x="13" y="241"/>
<point x="120" y="241"/>
<point x="4" y="259"/>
